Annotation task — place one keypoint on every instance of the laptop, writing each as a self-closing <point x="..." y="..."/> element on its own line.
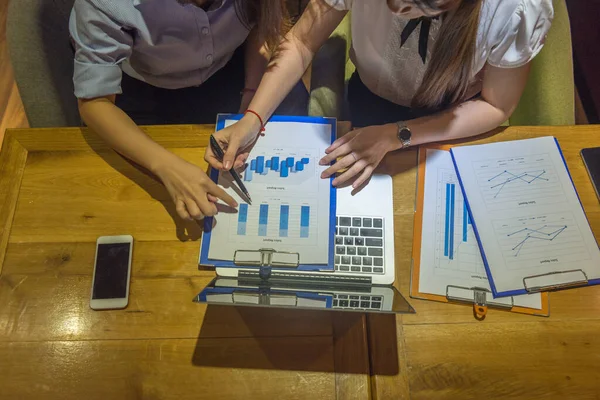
<point x="364" y="244"/>
<point x="342" y="293"/>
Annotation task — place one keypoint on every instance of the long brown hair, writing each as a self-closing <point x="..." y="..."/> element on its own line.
<point x="271" y="17"/>
<point x="448" y="75"/>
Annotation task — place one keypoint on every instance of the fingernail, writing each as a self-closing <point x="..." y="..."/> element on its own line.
<point x="228" y="165"/>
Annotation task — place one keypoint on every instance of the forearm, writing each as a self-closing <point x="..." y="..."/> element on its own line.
<point x="123" y="135"/>
<point x="294" y="55"/>
<point x="284" y="71"/>
<point x="470" y="118"/>
<point x="256" y="60"/>
<point x="502" y="89"/>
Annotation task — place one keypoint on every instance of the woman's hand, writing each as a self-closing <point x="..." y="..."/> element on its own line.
<point x="360" y="151"/>
<point x="192" y="191"/>
<point x="236" y="140"/>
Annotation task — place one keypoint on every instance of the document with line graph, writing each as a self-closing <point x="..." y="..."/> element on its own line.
<point x="531" y="227"/>
<point x="291" y="207"/>
<point x="447" y="262"/>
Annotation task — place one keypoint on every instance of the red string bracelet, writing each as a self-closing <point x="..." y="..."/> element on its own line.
<point x="262" y="125"/>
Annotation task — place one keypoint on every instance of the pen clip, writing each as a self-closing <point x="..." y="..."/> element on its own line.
<point x="216" y="148"/>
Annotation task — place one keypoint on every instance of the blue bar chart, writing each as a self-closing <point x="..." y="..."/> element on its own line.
<point x="449" y="226"/>
<point x="276" y="165"/>
<point x="284" y="219"/>
<point x="458" y="249"/>
<point x="304" y="221"/>
<point x="455" y="245"/>
<point x="242" y="219"/>
<point x="275" y="221"/>
<point x="466" y="222"/>
<point x="263" y="220"/>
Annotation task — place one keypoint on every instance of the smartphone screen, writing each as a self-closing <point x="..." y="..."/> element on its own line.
<point x="112" y="264"/>
<point x="591" y="159"/>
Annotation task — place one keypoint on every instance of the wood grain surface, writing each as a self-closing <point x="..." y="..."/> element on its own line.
<point x="62" y="188"/>
<point x="444" y="353"/>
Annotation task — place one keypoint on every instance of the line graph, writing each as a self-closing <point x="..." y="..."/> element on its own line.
<point x="537" y="234"/>
<point x="528" y="242"/>
<point x="529" y="180"/>
<point x="509" y="177"/>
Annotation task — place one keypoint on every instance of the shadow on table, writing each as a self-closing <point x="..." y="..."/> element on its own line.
<point x="293" y="340"/>
<point x="383" y="344"/>
<point x="185" y="230"/>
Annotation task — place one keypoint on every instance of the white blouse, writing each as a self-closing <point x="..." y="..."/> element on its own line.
<point x="511" y="33"/>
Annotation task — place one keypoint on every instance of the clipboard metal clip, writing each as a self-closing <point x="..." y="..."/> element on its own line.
<point x="555" y="280"/>
<point x="265" y="259"/>
<point x="478" y="297"/>
<point x="480" y="307"/>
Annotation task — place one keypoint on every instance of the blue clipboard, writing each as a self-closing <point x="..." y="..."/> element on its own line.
<point x="486" y="264"/>
<point x="214" y="175"/>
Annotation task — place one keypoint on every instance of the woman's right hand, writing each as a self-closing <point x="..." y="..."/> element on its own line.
<point x="192" y="191"/>
<point x="236" y="140"/>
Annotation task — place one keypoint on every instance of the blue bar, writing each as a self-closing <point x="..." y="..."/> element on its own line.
<point x="465" y="221"/>
<point x="304" y="221"/>
<point x="284" y="216"/>
<point x="263" y="217"/>
<point x="284" y="170"/>
<point x="451" y="244"/>
<point x="248" y="174"/>
<point x="447" y="221"/>
<point x="305" y="161"/>
<point x="242" y="219"/>
<point x="260" y="164"/>
<point x="268" y="164"/>
<point x="299" y="166"/>
<point x="290" y="162"/>
<point x="253" y="165"/>
<point x="275" y="163"/>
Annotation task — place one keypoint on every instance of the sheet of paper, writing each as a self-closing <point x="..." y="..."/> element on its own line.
<point x="527" y="214"/>
<point x="290" y="208"/>
<point x="450" y="254"/>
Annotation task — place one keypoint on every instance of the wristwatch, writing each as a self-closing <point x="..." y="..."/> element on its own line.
<point x="404" y="134"/>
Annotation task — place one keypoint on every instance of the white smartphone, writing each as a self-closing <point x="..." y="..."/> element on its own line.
<point x="112" y="270"/>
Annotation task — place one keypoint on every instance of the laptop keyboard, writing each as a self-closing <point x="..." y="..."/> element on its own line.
<point x="358" y="302"/>
<point x="359" y="245"/>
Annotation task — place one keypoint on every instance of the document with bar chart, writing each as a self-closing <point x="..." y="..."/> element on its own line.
<point x="527" y="216"/>
<point x="291" y="204"/>
<point x="449" y="254"/>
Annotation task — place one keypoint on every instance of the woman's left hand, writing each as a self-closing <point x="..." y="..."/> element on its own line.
<point x="360" y="151"/>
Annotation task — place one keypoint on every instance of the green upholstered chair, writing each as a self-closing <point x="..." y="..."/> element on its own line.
<point x="549" y="98"/>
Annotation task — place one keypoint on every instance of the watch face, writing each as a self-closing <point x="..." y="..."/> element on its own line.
<point x="405" y="135"/>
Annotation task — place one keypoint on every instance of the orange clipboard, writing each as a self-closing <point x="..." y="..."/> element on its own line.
<point x="480" y="302"/>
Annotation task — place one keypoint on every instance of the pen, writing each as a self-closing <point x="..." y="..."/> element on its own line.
<point x="214" y="145"/>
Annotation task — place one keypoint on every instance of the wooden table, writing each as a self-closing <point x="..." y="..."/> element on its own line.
<point x="62" y="188"/>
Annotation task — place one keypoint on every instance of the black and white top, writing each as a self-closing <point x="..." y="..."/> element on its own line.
<point x="511" y="33"/>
